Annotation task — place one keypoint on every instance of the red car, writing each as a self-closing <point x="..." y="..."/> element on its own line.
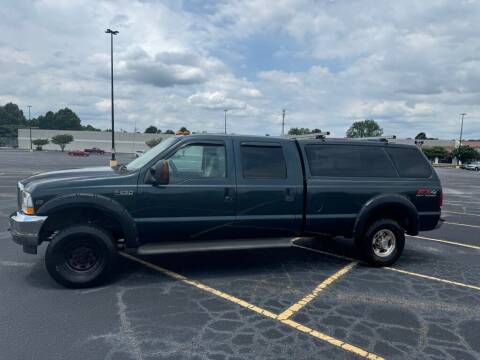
<point x="94" y="150"/>
<point x="78" y="153"/>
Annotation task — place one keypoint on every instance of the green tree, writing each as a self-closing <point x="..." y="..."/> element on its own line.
<point x="90" y="128"/>
<point x="421" y="136"/>
<point x="366" y="128"/>
<point x="466" y="153"/>
<point x="435" y="152"/>
<point x="151" y="130"/>
<point x="184" y="131"/>
<point x="153" y="142"/>
<point x="63" y="119"/>
<point x="11" y="118"/>
<point x="10" y="114"/>
<point x="169" y="131"/>
<point x="39" y="143"/>
<point x="62" y="140"/>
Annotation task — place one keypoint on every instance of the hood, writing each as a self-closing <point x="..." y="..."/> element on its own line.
<point x="70" y="175"/>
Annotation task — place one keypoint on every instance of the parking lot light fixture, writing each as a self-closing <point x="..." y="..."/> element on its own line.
<point x="113" y="161"/>
<point x="461" y="129"/>
<point x="30" y="126"/>
<point x="225" y="110"/>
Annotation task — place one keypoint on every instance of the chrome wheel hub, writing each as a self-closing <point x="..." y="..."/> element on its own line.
<point x="384" y="242"/>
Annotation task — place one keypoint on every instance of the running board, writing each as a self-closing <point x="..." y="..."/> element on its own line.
<point x="212" y="245"/>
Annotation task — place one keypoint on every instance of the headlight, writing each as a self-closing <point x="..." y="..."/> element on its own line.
<point x="27" y="203"/>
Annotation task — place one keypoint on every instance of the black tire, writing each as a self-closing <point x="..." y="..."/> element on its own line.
<point x="81" y="256"/>
<point x="383" y="229"/>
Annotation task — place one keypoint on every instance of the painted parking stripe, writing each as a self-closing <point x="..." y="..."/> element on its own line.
<point x="475" y="287"/>
<point x="447" y="242"/>
<point x="461" y="202"/>
<point x="434" y="278"/>
<point x="333" y="341"/>
<point x="322" y="286"/>
<point x="459" y="213"/>
<point x="459" y="224"/>
<point x="325" y="253"/>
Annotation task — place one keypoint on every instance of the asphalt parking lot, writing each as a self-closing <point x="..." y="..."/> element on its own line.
<point x="312" y="301"/>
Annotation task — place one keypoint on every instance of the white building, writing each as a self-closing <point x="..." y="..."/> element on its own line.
<point x="124" y="142"/>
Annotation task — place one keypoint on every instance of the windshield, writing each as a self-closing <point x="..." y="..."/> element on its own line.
<point x="151" y="154"/>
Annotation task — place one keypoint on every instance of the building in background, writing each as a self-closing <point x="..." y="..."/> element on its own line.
<point x="472" y="143"/>
<point x="124" y="142"/>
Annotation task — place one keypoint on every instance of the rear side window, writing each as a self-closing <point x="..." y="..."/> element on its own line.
<point x="410" y="162"/>
<point x="349" y="161"/>
<point x="263" y="162"/>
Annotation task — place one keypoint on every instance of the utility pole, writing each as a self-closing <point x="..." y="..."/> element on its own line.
<point x="461" y="130"/>
<point x="134" y="134"/>
<point x="30" y="125"/>
<point x="225" y="120"/>
<point x="283" y="122"/>
<point x="113" y="161"/>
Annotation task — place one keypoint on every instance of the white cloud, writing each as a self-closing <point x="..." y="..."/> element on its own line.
<point x="413" y="66"/>
<point x="215" y="101"/>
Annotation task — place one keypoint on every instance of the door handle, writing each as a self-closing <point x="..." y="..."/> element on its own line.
<point x="227" y="195"/>
<point x="289" y="194"/>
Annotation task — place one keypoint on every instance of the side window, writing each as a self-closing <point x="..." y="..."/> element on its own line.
<point x="410" y="162"/>
<point x="198" y="161"/>
<point x="349" y="161"/>
<point x="263" y="162"/>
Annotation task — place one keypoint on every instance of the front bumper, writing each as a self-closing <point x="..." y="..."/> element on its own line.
<point x="25" y="230"/>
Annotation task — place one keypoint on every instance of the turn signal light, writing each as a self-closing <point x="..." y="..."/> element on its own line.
<point x="29" y="211"/>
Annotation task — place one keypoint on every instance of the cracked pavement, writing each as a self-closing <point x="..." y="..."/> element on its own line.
<point x="143" y="314"/>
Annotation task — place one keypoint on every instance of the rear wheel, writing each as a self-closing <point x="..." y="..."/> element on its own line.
<point x="383" y="242"/>
<point x="81" y="256"/>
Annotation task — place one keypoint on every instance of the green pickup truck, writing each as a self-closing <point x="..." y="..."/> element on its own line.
<point x="217" y="192"/>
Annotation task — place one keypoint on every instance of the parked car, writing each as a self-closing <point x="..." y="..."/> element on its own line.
<point x="139" y="153"/>
<point x="472" y="166"/>
<point x="217" y="192"/>
<point x="78" y="153"/>
<point x="95" y="150"/>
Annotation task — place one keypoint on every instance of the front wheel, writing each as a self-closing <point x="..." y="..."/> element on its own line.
<point x="81" y="256"/>
<point x="383" y="242"/>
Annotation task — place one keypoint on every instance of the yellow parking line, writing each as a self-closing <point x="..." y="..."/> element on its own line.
<point x="322" y="286"/>
<point x="458" y="212"/>
<point x="434" y="278"/>
<point x="317" y="334"/>
<point x="325" y="252"/>
<point x="331" y="340"/>
<point x="399" y="270"/>
<point x="447" y="242"/>
<point x="459" y="224"/>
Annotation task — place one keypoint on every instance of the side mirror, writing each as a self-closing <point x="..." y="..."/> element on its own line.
<point x="161" y="173"/>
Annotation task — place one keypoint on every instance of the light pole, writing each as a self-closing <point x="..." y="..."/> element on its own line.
<point x="30" y="126"/>
<point x="283" y="122"/>
<point x="225" y="120"/>
<point x="461" y="130"/>
<point x="113" y="161"/>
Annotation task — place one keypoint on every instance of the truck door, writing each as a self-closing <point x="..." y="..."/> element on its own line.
<point x="199" y="201"/>
<point x="269" y="188"/>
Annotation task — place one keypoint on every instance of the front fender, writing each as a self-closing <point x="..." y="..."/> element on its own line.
<point x="99" y="202"/>
<point x="385" y="201"/>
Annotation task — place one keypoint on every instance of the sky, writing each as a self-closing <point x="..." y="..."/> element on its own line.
<point x="411" y="65"/>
